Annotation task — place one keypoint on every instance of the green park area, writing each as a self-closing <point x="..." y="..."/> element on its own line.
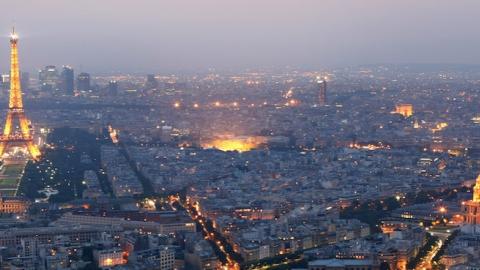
<point x="10" y="175"/>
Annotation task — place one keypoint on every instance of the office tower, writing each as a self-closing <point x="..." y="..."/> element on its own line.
<point x="83" y="82"/>
<point x="5" y="81"/>
<point x="113" y="88"/>
<point x="48" y="78"/>
<point x="66" y="80"/>
<point x="12" y="137"/>
<point x="25" y="80"/>
<point x="151" y="82"/>
<point x="322" y="91"/>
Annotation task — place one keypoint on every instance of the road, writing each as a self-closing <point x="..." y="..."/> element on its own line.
<point x="209" y="233"/>
<point x="426" y="262"/>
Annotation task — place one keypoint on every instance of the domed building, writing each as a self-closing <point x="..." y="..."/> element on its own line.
<point x="471" y="209"/>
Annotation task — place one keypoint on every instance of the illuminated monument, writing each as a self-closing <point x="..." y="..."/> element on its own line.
<point x="404" y="109"/>
<point x="11" y="136"/>
<point x="472" y="211"/>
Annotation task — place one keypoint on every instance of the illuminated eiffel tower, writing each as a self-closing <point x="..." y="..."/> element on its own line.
<point x="16" y="135"/>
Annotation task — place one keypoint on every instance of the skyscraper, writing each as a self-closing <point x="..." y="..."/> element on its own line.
<point x="48" y="77"/>
<point x="25" y="80"/>
<point x="66" y="80"/>
<point x="113" y="88"/>
<point x="83" y="82"/>
<point x="151" y="82"/>
<point x="322" y="91"/>
<point x="5" y="81"/>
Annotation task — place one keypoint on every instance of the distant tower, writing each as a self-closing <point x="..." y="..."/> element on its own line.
<point x="48" y="78"/>
<point x="83" y="82"/>
<point x="15" y="110"/>
<point x="322" y="91"/>
<point x="151" y="82"/>
<point x="25" y="80"/>
<point x="5" y="81"/>
<point x="67" y="80"/>
<point x="113" y="88"/>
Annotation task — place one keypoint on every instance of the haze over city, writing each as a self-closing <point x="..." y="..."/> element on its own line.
<point x="186" y="35"/>
<point x="239" y="135"/>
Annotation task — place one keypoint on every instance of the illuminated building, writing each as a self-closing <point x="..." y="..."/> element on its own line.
<point x="471" y="209"/>
<point x="15" y="110"/>
<point x="66" y="80"/>
<point x="48" y="78"/>
<point x="13" y="205"/>
<point x="404" y="109"/>
<point x="113" y="88"/>
<point x="109" y="258"/>
<point x="240" y="143"/>
<point x="83" y="82"/>
<point x="322" y="91"/>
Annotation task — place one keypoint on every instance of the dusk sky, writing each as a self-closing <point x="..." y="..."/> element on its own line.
<point x="163" y="36"/>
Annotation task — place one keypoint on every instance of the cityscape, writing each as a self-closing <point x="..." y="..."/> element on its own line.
<point x="351" y="166"/>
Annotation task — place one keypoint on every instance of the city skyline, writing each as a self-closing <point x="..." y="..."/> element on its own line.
<point x="187" y="35"/>
<point x="122" y="150"/>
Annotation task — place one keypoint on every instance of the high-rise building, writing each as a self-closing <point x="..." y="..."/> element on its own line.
<point x="322" y="91"/>
<point x="83" y="82"/>
<point x="67" y="80"/>
<point x="471" y="209"/>
<point x="151" y="82"/>
<point x="48" y="78"/>
<point x="113" y="88"/>
<point x="5" y="81"/>
<point x="25" y="80"/>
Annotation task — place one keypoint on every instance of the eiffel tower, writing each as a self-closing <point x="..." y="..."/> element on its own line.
<point x="14" y="135"/>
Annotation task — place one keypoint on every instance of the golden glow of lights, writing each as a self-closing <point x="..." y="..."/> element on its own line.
<point x="443" y="209"/>
<point x="15" y="111"/>
<point x="476" y="190"/>
<point x="108" y="261"/>
<point x="217" y="104"/>
<point x="176" y="104"/>
<point x="196" y="105"/>
<point x="369" y="146"/>
<point x="113" y="134"/>
<point x="240" y="144"/>
<point x="476" y="119"/>
<point x="292" y="102"/>
<point x="235" y="104"/>
<point x="288" y="94"/>
<point x="440" y="126"/>
<point x="404" y="109"/>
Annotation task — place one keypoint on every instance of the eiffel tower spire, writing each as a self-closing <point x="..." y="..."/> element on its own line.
<point x="15" y="112"/>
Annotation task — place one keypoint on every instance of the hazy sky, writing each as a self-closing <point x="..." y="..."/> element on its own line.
<point x="161" y="36"/>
